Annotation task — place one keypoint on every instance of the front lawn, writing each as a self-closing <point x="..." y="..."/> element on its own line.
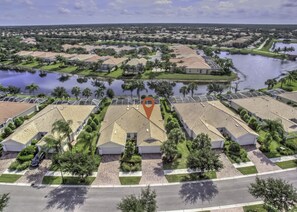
<point x="181" y="162"/>
<point x="51" y="180"/>
<point x="130" y="180"/>
<point x="287" y="164"/>
<point x="190" y="177"/>
<point x="9" y="178"/>
<point x="254" y="208"/>
<point x="248" y="170"/>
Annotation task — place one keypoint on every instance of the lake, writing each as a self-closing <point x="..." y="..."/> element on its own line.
<point x="282" y="45"/>
<point x="254" y="71"/>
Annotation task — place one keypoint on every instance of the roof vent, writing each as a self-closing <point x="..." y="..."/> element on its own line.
<point x="147" y="130"/>
<point x="115" y="132"/>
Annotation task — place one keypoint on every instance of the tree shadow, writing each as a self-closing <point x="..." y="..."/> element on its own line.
<point x="204" y="191"/>
<point x="66" y="198"/>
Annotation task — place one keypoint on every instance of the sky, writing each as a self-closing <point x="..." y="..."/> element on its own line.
<point x="51" y="12"/>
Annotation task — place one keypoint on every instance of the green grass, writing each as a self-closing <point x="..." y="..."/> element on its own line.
<point x="179" y="163"/>
<point x="190" y="77"/>
<point x="287" y="164"/>
<point x="248" y="170"/>
<point x="29" y="65"/>
<point x="9" y="178"/>
<point x="130" y="180"/>
<point x="115" y="74"/>
<point x="254" y="208"/>
<point x="291" y="86"/>
<point x="50" y="67"/>
<point x="50" y="180"/>
<point x="190" y="177"/>
<point x="68" y="69"/>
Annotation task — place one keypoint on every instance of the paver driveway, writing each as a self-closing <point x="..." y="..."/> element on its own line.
<point x="229" y="170"/>
<point x="6" y="160"/>
<point x="35" y="175"/>
<point x="152" y="169"/>
<point x="108" y="171"/>
<point x="262" y="163"/>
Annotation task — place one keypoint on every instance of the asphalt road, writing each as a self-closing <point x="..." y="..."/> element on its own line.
<point x="171" y="197"/>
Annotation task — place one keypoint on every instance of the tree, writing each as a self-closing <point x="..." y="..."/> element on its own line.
<point x="146" y="202"/>
<point x="270" y="83"/>
<point x="184" y="90"/>
<point x="64" y="130"/>
<point x="75" y="91"/>
<point x="76" y="163"/>
<point x="169" y="150"/>
<point x="176" y="135"/>
<point x="129" y="86"/>
<point x="283" y="81"/>
<point x="87" y="138"/>
<point x="99" y="93"/>
<point x="87" y="92"/>
<point x="274" y="126"/>
<point x="31" y="88"/>
<point x="139" y="85"/>
<point x="192" y="87"/>
<point x="162" y="88"/>
<point x="201" y="141"/>
<point x="274" y="192"/>
<point x="110" y="93"/>
<point x="215" y="88"/>
<point x="202" y="157"/>
<point x="52" y="143"/>
<point x="4" y="201"/>
<point x="60" y="92"/>
<point x="172" y="124"/>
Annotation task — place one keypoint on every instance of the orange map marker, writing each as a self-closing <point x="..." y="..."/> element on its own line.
<point x="148" y="110"/>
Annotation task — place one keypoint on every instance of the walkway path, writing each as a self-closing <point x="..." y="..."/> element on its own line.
<point x="239" y="209"/>
<point x="229" y="170"/>
<point x="108" y="171"/>
<point x="283" y="158"/>
<point x="262" y="163"/>
<point x="5" y="161"/>
<point x="152" y="169"/>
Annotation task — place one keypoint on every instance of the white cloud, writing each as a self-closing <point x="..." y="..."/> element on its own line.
<point x="64" y="10"/>
<point x="163" y="2"/>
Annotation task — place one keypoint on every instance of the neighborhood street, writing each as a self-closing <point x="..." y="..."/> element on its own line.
<point x="169" y="197"/>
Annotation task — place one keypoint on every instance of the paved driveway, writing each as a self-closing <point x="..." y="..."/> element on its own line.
<point x="262" y="163"/>
<point x="229" y="170"/>
<point x="152" y="169"/>
<point x="35" y="175"/>
<point x="108" y="171"/>
<point x="6" y="160"/>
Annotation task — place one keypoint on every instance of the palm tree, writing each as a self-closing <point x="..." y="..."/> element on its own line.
<point x="75" y="91"/>
<point x="99" y="93"/>
<point x="184" y="90"/>
<point x="60" y="92"/>
<point x="291" y="77"/>
<point x="139" y="85"/>
<point x="32" y="87"/>
<point x="274" y="126"/>
<point x="87" y="92"/>
<point x="87" y="138"/>
<point x="129" y="86"/>
<point x="64" y="130"/>
<point x="283" y="81"/>
<point x="192" y="87"/>
<point x="53" y="143"/>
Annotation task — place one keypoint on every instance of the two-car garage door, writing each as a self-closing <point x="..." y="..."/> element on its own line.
<point x="111" y="150"/>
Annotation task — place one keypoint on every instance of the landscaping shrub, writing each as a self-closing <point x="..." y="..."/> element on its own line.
<point x="171" y="125"/>
<point x="11" y="126"/>
<point x="292" y="144"/>
<point x="23" y="166"/>
<point x="18" y="122"/>
<point x="96" y="121"/>
<point x="285" y="151"/>
<point x="93" y="125"/>
<point x="234" y="149"/>
<point x="243" y="112"/>
<point x="89" y="121"/>
<point x="7" y="131"/>
<point x="253" y="123"/>
<point x="34" y="142"/>
<point x="14" y="165"/>
<point x="246" y="117"/>
<point x="24" y="158"/>
<point x="88" y="129"/>
<point x="135" y="159"/>
<point x="29" y="150"/>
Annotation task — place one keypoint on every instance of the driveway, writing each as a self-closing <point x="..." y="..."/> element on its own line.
<point x="6" y="160"/>
<point x="35" y="175"/>
<point x="152" y="169"/>
<point x="262" y="163"/>
<point x="229" y="170"/>
<point x="108" y="171"/>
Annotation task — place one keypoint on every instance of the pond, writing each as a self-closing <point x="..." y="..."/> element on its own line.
<point x="283" y="45"/>
<point x="254" y="71"/>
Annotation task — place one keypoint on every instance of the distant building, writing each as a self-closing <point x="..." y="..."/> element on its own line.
<point x="135" y="66"/>
<point x="288" y="97"/>
<point x="112" y="62"/>
<point x="192" y="63"/>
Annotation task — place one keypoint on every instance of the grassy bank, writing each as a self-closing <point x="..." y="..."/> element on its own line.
<point x="287" y="164"/>
<point x="248" y="170"/>
<point x="130" y="180"/>
<point x="190" y="177"/>
<point x="9" y="178"/>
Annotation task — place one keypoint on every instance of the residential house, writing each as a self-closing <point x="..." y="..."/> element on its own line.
<point x="40" y="125"/>
<point x="111" y="63"/>
<point x="215" y="120"/>
<point x="122" y="123"/>
<point x="135" y="66"/>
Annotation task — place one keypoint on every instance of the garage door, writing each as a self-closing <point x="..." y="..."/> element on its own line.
<point x="149" y="149"/>
<point x="110" y="150"/>
<point x="13" y="147"/>
<point x="216" y="144"/>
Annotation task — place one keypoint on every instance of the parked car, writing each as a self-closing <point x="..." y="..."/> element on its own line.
<point x="37" y="159"/>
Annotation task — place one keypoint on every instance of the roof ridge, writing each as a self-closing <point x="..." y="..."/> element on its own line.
<point x="206" y="124"/>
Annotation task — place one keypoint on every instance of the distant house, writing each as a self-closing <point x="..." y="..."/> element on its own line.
<point x="135" y="66"/>
<point x="215" y="120"/>
<point x="288" y="97"/>
<point x="122" y="123"/>
<point x="112" y="62"/>
<point x="12" y="110"/>
<point x="265" y="107"/>
<point x="192" y="63"/>
<point x="40" y="125"/>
